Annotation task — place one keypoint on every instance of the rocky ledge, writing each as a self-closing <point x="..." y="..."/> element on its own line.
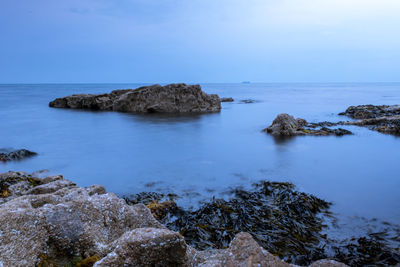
<point x="172" y="98"/>
<point x="53" y="222"/>
<point x="19" y="154"/>
<point x="384" y="119"/>
<point x="286" y="125"/>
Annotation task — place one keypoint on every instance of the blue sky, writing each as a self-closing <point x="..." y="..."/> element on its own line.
<point x="45" y="41"/>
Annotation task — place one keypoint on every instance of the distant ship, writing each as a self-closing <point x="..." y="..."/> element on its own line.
<point x="246" y="82"/>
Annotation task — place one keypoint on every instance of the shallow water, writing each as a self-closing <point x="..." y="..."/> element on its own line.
<point x="201" y="156"/>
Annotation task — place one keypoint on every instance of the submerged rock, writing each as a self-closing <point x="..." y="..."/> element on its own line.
<point x="227" y="99"/>
<point x="384" y="119"/>
<point x="16" y="154"/>
<point x="286" y="125"/>
<point x="248" y="101"/>
<point x="172" y="98"/>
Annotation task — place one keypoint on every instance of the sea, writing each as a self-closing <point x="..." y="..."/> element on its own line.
<point x="203" y="156"/>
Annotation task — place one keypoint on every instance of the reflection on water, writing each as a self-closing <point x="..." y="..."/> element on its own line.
<point x="200" y="156"/>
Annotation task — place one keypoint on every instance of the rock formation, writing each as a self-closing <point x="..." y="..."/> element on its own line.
<point x="286" y="125"/>
<point x="172" y="98"/>
<point x="384" y="119"/>
<point x="53" y="222"/>
<point x="16" y="154"/>
<point x="371" y="111"/>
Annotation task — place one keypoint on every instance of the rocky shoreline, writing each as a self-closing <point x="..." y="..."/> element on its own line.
<point x="53" y="222"/>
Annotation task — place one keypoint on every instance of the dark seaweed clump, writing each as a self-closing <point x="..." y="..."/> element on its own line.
<point x="365" y="251"/>
<point x="287" y="223"/>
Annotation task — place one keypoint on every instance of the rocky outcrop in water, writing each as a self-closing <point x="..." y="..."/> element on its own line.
<point x="172" y="98"/>
<point x="53" y="222"/>
<point x="371" y="111"/>
<point x="227" y="99"/>
<point x="384" y="119"/>
<point x="16" y="154"/>
<point x="285" y="125"/>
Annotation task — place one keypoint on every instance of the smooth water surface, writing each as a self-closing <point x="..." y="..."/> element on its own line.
<point x="201" y="156"/>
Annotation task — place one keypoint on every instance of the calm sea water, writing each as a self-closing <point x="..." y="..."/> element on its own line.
<point x="202" y="156"/>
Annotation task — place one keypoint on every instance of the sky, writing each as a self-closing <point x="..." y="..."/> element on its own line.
<point x="161" y="41"/>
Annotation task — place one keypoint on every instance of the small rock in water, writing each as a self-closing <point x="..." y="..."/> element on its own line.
<point x="227" y="99"/>
<point x="286" y="126"/>
<point x="16" y="155"/>
<point x="248" y="101"/>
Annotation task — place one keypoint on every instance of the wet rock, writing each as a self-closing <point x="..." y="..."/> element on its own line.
<point x="371" y="111"/>
<point x="285" y="125"/>
<point x="147" y="247"/>
<point x="387" y="125"/>
<point x="172" y="98"/>
<point x="227" y="99"/>
<point x="16" y="154"/>
<point x="384" y="119"/>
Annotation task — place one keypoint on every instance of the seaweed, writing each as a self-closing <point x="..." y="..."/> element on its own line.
<point x="287" y="223"/>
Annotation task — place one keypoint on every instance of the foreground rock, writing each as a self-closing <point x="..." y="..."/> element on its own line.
<point x="16" y="154"/>
<point x="384" y="119"/>
<point x="53" y="222"/>
<point x="172" y="98"/>
<point x="286" y="126"/>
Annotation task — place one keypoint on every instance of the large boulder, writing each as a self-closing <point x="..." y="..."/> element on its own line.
<point x="147" y="247"/>
<point x="172" y="98"/>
